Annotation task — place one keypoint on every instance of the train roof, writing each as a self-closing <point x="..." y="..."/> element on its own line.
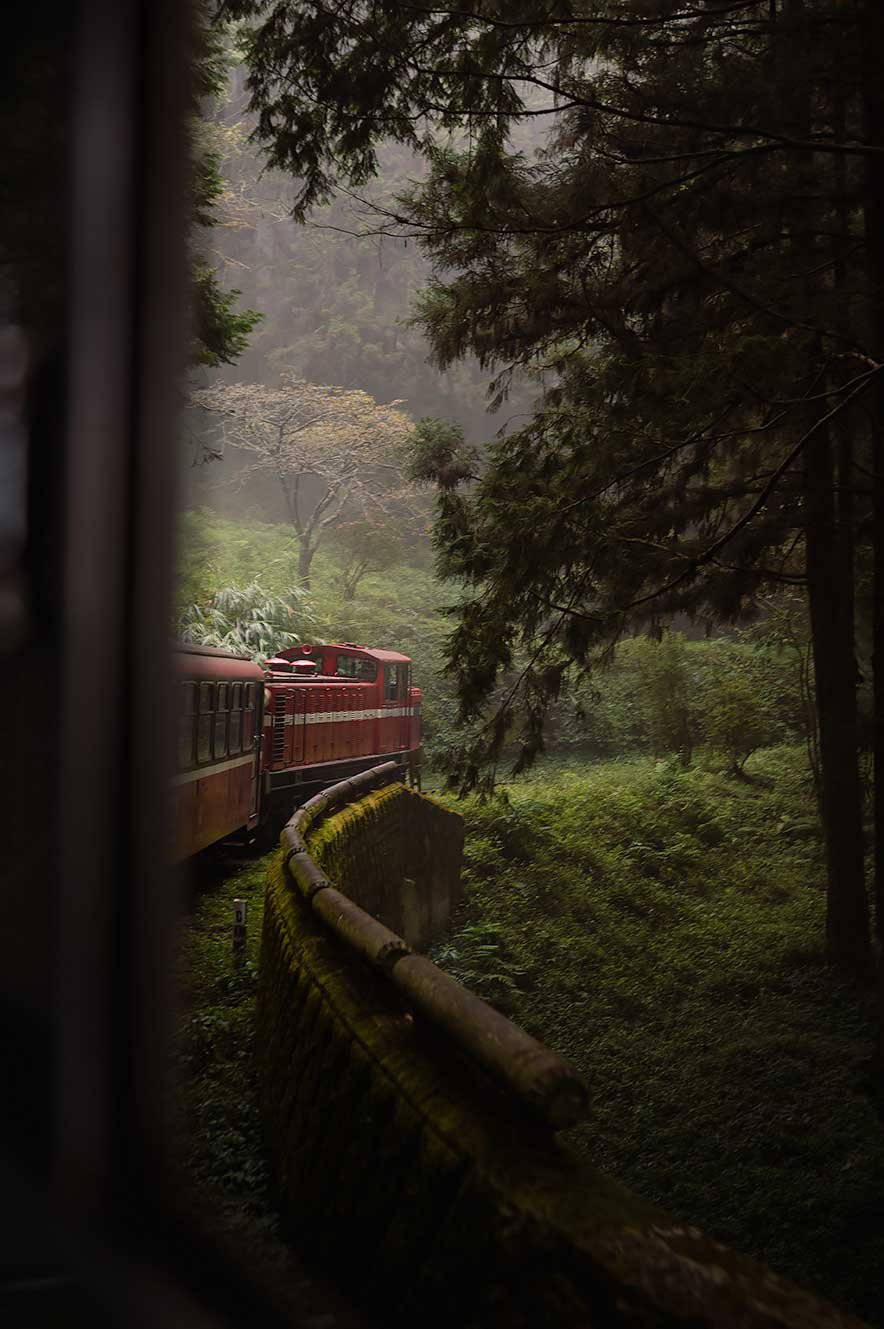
<point x="192" y="661"/>
<point x="350" y="647"/>
<point x="389" y="657"/>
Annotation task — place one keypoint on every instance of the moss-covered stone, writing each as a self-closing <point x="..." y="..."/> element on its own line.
<point x="397" y="854"/>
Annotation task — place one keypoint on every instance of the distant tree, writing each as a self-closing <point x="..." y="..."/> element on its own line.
<point x="332" y="451"/>
<point x="668" y="694"/>
<point x="782" y="635"/>
<point x="366" y="546"/>
<point x="737" y="712"/>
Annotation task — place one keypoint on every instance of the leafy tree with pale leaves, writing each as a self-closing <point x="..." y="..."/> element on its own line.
<point x="332" y="450"/>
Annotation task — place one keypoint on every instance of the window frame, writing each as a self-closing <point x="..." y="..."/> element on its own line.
<point x="188" y="697"/>
<point x="204" y="728"/>
<point x="220" y="724"/>
<point x="363" y="665"/>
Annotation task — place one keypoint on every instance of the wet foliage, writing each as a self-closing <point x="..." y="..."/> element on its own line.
<point x="664" y="928"/>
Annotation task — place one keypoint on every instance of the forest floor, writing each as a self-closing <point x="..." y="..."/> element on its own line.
<point x="227" y="1190"/>
<point x="663" y="928"/>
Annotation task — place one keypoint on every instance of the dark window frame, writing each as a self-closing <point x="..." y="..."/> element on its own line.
<point x="188" y="695"/>
<point x="110" y="900"/>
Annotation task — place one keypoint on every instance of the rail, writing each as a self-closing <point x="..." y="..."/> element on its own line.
<point x="541" y="1080"/>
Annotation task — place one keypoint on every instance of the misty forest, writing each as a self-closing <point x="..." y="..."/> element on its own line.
<point x="545" y="345"/>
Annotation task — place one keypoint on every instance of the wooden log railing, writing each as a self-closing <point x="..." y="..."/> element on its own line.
<point x="540" y="1080"/>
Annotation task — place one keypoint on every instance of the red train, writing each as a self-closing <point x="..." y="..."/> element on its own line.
<point x="252" y="741"/>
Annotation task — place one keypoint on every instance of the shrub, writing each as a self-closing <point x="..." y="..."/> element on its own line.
<point x="248" y="620"/>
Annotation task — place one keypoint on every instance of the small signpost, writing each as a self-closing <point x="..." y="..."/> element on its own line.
<point x="240" y="917"/>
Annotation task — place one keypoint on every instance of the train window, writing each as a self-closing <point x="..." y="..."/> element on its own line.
<point x="204" y="737"/>
<point x="219" y="738"/>
<point x="204" y="723"/>
<point x="248" y="713"/>
<point x="234" y="737"/>
<point x="234" y="731"/>
<point x="396" y="682"/>
<point x="356" y="667"/>
<point x="186" y="724"/>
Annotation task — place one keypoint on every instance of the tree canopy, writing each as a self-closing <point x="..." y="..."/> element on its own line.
<point x="220" y="330"/>
<point x="693" y="260"/>
<point x="332" y="450"/>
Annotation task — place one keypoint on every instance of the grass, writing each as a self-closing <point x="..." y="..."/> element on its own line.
<point x="219" y="1133"/>
<point x="663" y="928"/>
<point x="228" y="1187"/>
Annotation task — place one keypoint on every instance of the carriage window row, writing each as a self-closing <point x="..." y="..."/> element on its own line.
<point x="215" y="720"/>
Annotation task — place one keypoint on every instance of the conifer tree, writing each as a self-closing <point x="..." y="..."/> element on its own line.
<point x="692" y="261"/>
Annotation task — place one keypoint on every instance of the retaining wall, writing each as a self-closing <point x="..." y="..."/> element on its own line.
<point x="397" y="855"/>
<point x="417" y="1157"/>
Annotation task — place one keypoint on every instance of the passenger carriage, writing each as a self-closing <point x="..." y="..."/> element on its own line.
<point x="220" y="722"/>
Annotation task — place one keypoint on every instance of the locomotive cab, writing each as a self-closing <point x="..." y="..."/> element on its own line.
<point x="336" y="710"/>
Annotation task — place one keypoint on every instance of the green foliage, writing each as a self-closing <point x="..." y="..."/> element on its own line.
<point x="439" y="454"/>
<point x="483" y="962"/>
<point x="397" y="609"/>
<point x="738" y="713"/>
<point x="678" y="248"/>
<point x="645" y="698"/>
<point x="664" y="929"/>
<point x="214" y="552"/>
<point x="669" y="697"/>
<point x="220" y="332"/>
<point x="248" y="620"/>
<point x="668" y="694"/>
<point x="218" y="1124"/>
<point x="366" y="546"/>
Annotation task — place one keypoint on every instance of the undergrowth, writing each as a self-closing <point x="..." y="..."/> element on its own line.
<point x="218" y="1125"/>
<point x="664" y="929"/>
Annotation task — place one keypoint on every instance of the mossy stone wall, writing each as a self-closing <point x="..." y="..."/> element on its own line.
<point x="396" y="854"/>
<point x="424" y="1187"/>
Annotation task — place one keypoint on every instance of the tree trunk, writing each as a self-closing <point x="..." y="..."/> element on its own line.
<point x="873" y="106"/>
<point x="830" y="589"/>
<point x="830" y="595"/>
<point x="872" y="45"/>
<point x="305" y="558"/>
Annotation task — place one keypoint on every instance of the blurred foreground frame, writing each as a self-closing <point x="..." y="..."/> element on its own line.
<point x="93" y="276"/>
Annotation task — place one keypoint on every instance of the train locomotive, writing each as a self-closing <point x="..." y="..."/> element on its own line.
<point x="253" y="742"/>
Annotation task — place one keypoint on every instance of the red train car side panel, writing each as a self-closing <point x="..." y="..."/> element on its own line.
<point x="216" y="789"/>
